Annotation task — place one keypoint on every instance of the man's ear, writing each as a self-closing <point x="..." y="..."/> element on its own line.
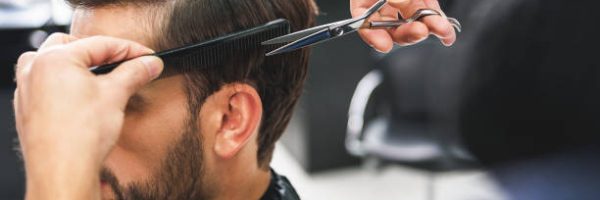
<point x="241" y="117"/>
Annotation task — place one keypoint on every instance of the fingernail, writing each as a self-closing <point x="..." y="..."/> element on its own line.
<point x="380" y="50"/>
<point x="373" y="47"/>
<point x="153" y="64"/>
<point x="446" y="43"/>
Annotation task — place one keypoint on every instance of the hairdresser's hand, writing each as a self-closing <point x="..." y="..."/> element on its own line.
<point x="69" y="119"/>
<point x="383" y="40"/>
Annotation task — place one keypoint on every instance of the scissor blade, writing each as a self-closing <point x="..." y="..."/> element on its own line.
<point x="304" y="42"/>
<point x="301" y="34"/>
<point x="321" y="33"/>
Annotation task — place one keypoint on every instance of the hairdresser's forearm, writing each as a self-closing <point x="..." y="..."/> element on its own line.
<point x="62" y="183"/>
<point x="63" y="175"/>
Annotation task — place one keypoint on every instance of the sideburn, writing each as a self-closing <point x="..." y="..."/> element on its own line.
<point x="180" y="175"/>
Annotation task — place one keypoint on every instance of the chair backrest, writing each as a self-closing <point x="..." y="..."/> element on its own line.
<point x="533" y="80"/>
<point x="420" y="92"/>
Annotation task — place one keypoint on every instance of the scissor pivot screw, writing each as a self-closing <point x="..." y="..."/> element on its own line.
<point x="337" y="31"/>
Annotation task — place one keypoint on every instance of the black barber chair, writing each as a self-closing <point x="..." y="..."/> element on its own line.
<point x="405" y="110"/>
<point x="531" y="113"/>
<point x="397" y="114"/>
<point x="524" y="91"/>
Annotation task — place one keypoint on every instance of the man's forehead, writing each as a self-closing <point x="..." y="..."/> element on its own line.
<point x="126" y="22"/>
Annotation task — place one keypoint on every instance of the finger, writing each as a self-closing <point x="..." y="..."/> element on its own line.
<point x="410" y="33"/>
<point x="441" y="28"/>
<point x="359" y="7"/>
<point x="380" y="40"/>
<point x="407" y="8"/>
<point x="434" y="4"/>
<point x="99" y="50"/>
<point x="130" y="76"/>
<point x="439" y="25"/>
<point x="57" y="39"/>
<point x="17" y="110"/>
<point x="23" y="62"/>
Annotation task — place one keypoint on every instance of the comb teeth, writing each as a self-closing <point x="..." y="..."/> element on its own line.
<point x="215" y="51"/>
<point x="220" y="50"/>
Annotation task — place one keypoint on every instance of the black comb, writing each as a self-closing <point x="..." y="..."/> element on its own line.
<point x="215" y="51"/>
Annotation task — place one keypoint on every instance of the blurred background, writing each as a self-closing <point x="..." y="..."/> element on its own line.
<point x="511" y="111"/>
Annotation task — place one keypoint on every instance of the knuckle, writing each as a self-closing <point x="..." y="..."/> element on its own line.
<point x="24" y="60"/>
<point x="25" y="57"/>
<point x="55" y="38"/>
<point x="51" y="56"/>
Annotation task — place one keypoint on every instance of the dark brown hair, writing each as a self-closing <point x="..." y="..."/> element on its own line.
<point x="279" y="79"/>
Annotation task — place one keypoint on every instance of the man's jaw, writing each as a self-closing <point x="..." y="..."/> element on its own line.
<point x="109" y="185"/>
<point x="106" y="191"/>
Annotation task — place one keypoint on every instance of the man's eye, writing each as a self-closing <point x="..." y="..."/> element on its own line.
<point x="131" y="107"/>
<point x="135" y="104"/>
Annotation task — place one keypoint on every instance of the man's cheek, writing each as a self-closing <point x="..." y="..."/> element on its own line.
<point x="143" y="139"/>
<point x="140" y="149"/>
<point x="129" y="167"/>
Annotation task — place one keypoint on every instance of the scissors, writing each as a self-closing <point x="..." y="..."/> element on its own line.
<point x="326" y="32"/>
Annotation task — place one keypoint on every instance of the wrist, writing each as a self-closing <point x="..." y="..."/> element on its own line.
<point x="64" y="180"/>
<point x="61" y="172"/>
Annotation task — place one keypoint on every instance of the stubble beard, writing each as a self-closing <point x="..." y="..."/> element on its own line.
<point x="180" y="175"/>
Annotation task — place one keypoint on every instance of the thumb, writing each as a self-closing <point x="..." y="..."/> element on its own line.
<point x="132" y="75"/>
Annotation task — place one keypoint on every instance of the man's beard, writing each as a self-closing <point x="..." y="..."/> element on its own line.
<point x="180" y="175"/>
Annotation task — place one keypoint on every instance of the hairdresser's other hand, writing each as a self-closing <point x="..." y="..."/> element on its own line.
<point x="67" y="118"/>
<point x="383" y="40"/>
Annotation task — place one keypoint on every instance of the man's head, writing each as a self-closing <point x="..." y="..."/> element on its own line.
<point x="204" y="133"/>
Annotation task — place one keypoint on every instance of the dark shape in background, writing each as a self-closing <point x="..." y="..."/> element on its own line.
<point x="12" y="43"/>
<point x="530" y="104"/>
<point x="533" y="84"/>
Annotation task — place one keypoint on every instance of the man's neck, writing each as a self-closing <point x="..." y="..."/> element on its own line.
<point x="262" y="182"/>
<point x="245" y="184"/>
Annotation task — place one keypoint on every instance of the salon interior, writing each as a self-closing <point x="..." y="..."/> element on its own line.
<point x="510" y="111"/>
